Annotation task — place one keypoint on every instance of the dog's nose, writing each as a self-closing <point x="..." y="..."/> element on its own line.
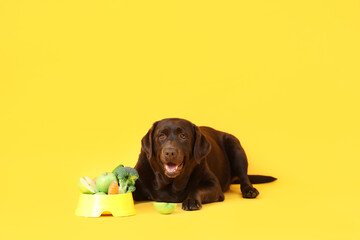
<point x="170" y="153"/>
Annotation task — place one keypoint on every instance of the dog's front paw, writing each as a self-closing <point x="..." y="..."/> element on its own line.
<point x="249" y="192"/>
<point x="191" y="205"/>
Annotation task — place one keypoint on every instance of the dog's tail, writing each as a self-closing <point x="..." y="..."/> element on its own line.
<point x="261" y="179"/>
<point x="254" y="179"/>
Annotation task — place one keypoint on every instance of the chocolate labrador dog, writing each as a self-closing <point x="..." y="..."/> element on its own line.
<point x="180" y="162"/>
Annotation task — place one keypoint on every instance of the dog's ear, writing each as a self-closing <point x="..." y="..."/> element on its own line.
<point x="202" y="146"/>
<point x="147" y="142"/>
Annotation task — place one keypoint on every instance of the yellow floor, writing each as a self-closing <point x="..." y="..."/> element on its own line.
<point x="286" y="209"/>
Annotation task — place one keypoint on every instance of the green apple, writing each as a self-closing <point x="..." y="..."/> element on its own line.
<point x="104" y="180"/>
<point x="87" y="186"/>
<point x="100" y="193"/>
<point x="164" y="208"/>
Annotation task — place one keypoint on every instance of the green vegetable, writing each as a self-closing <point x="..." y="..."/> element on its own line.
<point x="131" y="189"/>
<point x="120" y="166"/>
<point x="127" y="177"/>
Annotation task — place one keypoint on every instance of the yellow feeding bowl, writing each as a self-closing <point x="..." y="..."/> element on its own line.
<point x="96" y="205"/>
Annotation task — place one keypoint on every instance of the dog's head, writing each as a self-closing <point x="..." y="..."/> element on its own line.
<point x="174" y="146"/>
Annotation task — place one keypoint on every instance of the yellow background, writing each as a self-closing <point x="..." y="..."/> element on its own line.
<point x="82" y="81"/>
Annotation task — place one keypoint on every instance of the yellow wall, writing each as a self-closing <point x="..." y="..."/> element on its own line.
<point x="82" y="81"/>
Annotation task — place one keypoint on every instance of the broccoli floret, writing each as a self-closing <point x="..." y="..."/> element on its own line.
<point x="131" y="189"/>
<point x="127" y="177"/>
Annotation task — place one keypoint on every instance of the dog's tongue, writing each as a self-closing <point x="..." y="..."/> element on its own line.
<point x="171" y="167"/>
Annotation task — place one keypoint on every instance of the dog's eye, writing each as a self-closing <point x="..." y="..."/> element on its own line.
<point x="162" y="136"/>
<point x="182" y="136"/>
